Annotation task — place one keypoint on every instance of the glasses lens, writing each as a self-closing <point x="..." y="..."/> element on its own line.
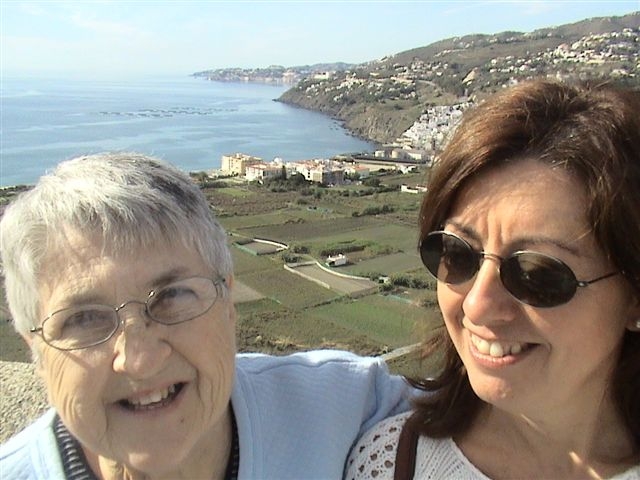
<point x="80" y="327"/>
<point x="448" y="258"/>
<point x="538" y="280"/>
<point x="183" y="300"/>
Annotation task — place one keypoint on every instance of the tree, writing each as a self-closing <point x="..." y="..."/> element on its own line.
<point x="371" y="182"/>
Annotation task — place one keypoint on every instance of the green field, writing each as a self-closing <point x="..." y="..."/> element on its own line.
<point x="245" y="263"/>
<point x="288" y="288"/>
<point x="297" y="232"/>
<point x="379" y="232"/>
<point x="270" y="327"/>
<point x="392" y="263"/>
<point x="285" y="217"/>
<point x="382" y="319"/>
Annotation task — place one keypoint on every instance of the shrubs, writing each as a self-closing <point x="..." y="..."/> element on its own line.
<point x="343" y="247"/>
<point x="299" y="248"/>
<point x="410" y="281"/>
<point x="295" y="182"/>
<point x="371" y="182"/>
<point x="289" y="257"/>
<point x="386" y="287"/>
<point x="374" y="210"/>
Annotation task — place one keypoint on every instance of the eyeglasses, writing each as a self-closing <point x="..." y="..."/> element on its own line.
<point x="532" y="278"/>
<point x="89" y="325"/>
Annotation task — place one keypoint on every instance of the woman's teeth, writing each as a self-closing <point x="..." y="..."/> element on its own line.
<point x="497" y="349"/>
<point x="153" y="399"/>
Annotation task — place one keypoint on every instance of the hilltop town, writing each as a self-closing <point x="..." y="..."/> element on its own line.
<point x="412" y="99"/>
<point x="383" y="99"/>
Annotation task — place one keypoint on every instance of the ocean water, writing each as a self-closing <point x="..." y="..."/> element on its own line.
<point x="187" y="121"/>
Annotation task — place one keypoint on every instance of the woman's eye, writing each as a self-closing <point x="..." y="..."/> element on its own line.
<point x="87" y="319"/>
<point x="173" y="294"/>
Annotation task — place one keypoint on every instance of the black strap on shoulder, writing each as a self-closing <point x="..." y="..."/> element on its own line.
<point x="406" y="452"/>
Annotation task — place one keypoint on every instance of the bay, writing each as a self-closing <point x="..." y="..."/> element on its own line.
<point x="189" y="122"/>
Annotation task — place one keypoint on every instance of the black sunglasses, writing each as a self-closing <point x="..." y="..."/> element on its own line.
<point x="532" y="278"/>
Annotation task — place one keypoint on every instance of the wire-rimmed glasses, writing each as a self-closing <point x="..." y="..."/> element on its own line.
<point x="89" y="325"/>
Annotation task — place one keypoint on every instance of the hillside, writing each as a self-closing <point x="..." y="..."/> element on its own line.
<point x="381" y="99"/>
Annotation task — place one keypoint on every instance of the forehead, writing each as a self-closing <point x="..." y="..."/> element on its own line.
<point x="526" y="192"/>
<point x="524" y="198"/>
<point x="80" y="264"/>
<point x="76" y="241"/>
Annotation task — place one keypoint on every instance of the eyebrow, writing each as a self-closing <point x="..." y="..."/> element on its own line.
<point x="521" y="242"/>
<point x="168" y="277"/>
<point x="96" y="298"/>
<point x="75" y="300"/>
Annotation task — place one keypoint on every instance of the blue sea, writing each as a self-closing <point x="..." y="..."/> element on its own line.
<point x="189" y="122"/>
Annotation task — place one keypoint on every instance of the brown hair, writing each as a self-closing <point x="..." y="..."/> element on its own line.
<point x="593" y="132"/>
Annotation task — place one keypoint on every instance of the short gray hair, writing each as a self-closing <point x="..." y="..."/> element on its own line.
<point x="131" y="200"/>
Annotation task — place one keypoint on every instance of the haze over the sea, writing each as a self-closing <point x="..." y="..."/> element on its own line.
<point x="189" y="122"/>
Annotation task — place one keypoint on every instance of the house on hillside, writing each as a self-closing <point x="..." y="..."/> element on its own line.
<point x="336" y="260"/>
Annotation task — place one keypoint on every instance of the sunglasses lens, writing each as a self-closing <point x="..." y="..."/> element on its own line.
<point x="448" y="258"/>
<point x="538" y="280"/>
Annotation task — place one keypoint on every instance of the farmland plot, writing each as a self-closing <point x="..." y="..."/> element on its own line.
<point x="243" y="293"/>
<point x="343" y="285"/>
<point x="381" y="319"/>
<point x="244" y="262"/>
<point x="385" y="264"/>
<point x="273" y="328"/>
<point x="261" y="248"/>
<point x="285" y="216"/>
<point x="398" y="237"/>
<point x="309" y="230"/>
<point x="288" y="288"/>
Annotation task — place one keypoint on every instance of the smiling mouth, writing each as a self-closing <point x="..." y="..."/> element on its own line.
<point x="153" y="400"/>
<point x="497" y="349"/>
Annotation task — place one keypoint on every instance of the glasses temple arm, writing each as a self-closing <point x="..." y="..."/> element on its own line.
<point x="584" y="283"/>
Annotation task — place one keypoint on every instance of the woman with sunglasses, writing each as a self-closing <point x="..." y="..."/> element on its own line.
<point x="531" y="226"/>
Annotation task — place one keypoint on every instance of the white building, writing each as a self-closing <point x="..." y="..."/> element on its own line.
<point x="262" y="171"/>
<point x="336" y="260"/>
<point x="325" y="172"/>
<point x="236" y="164"/>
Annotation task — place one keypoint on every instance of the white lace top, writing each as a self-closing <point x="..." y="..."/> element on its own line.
<point x="374" y="455"/>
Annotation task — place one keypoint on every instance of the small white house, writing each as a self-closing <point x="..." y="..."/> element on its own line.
<point x="336" y="260"/>
<point x="417" y="189"/>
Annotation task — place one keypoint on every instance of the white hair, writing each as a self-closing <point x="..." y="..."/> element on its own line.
<point x="131" y="201"/>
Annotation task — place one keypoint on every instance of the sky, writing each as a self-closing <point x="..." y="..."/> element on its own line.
<point x="127" y="39"/>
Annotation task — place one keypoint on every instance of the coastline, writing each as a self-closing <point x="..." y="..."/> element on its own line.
<point x="188" y="122"/>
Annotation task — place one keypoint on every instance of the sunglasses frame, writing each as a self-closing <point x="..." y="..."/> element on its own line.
<point x="481" y="255"/>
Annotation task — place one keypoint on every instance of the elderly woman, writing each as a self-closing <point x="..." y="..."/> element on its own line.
<point x="531" y="226"/>
<point x="119" y="278"/>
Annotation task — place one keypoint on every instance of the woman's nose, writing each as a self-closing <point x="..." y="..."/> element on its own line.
<point x="141" y="347"/>
<point x="487" y="301"/>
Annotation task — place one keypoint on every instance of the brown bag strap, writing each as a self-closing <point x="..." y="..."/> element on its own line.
<point x="406" y="452"/>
